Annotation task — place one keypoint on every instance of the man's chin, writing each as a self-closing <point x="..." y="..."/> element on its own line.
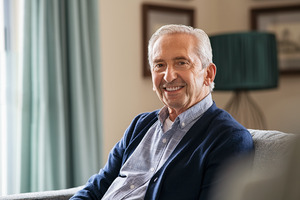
<point x="175" y="105"/>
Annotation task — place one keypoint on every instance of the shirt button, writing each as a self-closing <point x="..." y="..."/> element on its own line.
<point x="132" y="187"/>
<point x="152" y="169"/>
<point x="182" y="124"/>
<point x="164" y="140"/>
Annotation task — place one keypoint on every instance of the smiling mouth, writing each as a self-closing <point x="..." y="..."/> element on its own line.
<point x="172" y="89"/>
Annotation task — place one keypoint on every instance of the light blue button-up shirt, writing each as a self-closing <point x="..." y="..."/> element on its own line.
<point x="153" y="151"/>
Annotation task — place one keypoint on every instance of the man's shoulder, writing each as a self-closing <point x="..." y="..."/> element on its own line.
<point x="228" y="133"/>
<point x="220" y="118"/>
<point x="220" y="123"/>
<point x="146" y="116"/>
<point x="139" y="127"/>
<point x="142" y="122"/>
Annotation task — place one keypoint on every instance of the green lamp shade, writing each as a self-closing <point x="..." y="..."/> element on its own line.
<point x="245" y="61"/>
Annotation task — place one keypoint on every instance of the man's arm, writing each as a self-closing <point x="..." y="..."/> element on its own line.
<point x="99" y="183"/>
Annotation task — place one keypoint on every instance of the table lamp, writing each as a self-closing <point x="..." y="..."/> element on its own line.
<point x="245" y="61"/>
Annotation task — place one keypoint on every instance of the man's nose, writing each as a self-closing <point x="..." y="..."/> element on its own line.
<point x="170" y="74"/>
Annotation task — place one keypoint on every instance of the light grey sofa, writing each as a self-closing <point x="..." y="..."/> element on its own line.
<point x="270" y="147"/>
<point x="47" y="195"/>
<point x="275" y="175"/>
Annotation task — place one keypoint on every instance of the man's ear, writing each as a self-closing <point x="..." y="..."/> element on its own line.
<point x="211" y="71"/>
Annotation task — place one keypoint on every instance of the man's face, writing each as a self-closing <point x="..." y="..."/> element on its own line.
<point x="177" y="73"/>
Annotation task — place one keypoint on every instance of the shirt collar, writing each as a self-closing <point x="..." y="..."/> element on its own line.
<point x="191" y="114"/>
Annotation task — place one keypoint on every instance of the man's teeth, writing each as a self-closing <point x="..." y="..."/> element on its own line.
<point x="170" y="89"/>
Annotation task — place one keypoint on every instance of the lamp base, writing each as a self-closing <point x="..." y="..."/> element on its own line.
<point x="244" y="109"/>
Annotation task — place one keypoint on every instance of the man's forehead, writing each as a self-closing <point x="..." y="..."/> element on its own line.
<point x="176" y="46"/>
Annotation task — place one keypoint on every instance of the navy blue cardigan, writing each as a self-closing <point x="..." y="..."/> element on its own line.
<point x="190" y="172"/>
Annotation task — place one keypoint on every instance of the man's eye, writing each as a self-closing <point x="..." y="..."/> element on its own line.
<point x="159" y="65"/>
<point x="182" y="64"/>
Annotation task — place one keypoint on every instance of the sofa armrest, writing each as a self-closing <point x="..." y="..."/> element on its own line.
<point x="45" y="195"/>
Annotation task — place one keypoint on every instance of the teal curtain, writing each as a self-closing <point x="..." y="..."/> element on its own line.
<point x="61" y="121"/>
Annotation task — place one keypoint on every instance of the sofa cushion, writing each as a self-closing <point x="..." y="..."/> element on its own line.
<point x="271" y="147"/>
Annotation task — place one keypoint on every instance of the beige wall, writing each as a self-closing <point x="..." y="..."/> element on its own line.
<point x="126" y="93"/>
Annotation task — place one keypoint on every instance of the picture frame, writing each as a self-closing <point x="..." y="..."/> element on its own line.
<point x="155" y="16"/>
<point x="284" y="22"/>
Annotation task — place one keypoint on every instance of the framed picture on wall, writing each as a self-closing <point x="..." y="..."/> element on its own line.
<point x="155" y="16"/>
<point x="284" y="22"/>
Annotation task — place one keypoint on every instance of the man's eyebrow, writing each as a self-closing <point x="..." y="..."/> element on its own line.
<point x="157" y="60"/>
<point x="180" y="58"/>
<point x="176" y="58"/>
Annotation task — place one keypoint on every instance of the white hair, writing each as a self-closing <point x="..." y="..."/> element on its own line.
<point x="203" y="47"/>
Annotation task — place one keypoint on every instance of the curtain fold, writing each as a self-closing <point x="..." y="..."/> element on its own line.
<point x="61" y="121"/>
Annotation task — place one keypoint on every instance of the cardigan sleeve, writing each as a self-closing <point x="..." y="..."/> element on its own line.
<point x="99" y="183"/>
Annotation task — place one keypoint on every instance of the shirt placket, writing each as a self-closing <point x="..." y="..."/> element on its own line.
<point x="131" y="184"/>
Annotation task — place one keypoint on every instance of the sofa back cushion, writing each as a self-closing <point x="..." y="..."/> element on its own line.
<point x="271" y="148"/>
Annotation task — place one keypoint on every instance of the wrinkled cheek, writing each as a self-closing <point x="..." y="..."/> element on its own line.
<point x="156" y="80"/>
<point x="159" y="93"/>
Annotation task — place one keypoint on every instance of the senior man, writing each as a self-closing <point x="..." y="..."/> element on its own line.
<point x="175" y="152"/>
